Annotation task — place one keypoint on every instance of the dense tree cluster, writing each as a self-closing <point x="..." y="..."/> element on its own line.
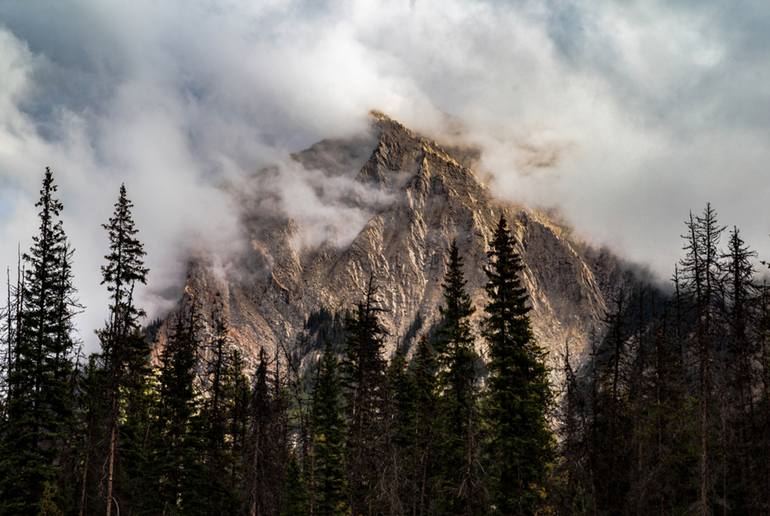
<point x="670" y="413"/>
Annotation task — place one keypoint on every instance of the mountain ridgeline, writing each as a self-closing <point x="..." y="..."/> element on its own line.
<point x="422" y="196"/>
<point x="451" y="356"/>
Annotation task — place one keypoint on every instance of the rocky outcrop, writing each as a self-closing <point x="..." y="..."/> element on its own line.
<point x="431" y="197"/>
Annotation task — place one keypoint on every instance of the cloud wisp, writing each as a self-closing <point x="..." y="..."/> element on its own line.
<point x="623" y="115"/>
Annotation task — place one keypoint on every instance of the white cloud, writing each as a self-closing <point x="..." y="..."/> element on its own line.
<point x="625" y="115"/>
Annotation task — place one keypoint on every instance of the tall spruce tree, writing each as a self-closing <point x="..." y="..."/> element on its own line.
<point x="570" y="491"/>
<point x="329" y="486"/>
<point x="121" y="346"/>
<point x="139" y="400"/>
<point x="177" y="457"/>
<point x="222" y="474"/>
<point x="40" y="401"/>
<point x="520" y="445"/>
<point x="365" y="382"/>
<point x="424" y="372"/>
<point x="267" y="441"/>
<point x="701" y="282"/>
<point x="459" y="393"/>
<point x="400" y="427"/>
<point x="739" y="485"/>
<point x="295" y="493"/>
<point x="762" y="336"/>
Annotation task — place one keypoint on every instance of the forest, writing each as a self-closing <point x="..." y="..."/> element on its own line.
<point x="668" y="414"/>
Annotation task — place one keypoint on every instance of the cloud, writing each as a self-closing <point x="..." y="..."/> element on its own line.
<point x="624" y="115"/>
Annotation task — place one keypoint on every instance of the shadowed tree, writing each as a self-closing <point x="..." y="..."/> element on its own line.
<point x="701" y="278"/>
<point x="365" y="383"/>
<point x="40" y="388"/>
<point x="461" y="491"/>
<point x="123" y="270"/>
<point x="330" y="497"/>
<point x="520" y="445"/>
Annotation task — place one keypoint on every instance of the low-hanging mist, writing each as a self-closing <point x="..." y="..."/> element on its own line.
<point x="624" y="116"/>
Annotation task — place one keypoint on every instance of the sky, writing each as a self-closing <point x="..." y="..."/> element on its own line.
<point x="623" y="115"/>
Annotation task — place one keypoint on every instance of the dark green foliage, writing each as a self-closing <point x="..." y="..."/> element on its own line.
<point x="520" y="446"/>
<point x="669" y="412"/>
<point x="461" y="487"/>
<point x="295" y="493"/>
<point x="179" y="429"/>
<point x="125" y="352"/>
<point x="413" y="332"/>
<point x="123" y="270"/>
<point x="137" y="430"/>
<point x="328" y="478"/>
<point x="424" y="372"/>
<point x="268" y="446"/>
<point x="221" y="473"/>
<point x="324" y="326"/>
<point x="400" y="426"/>
<point x="669" y="415"/>
<point x="35" y="434"/>
<point x="365" y="385"/>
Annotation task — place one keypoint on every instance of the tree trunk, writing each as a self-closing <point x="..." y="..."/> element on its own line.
<point x="112" y="453"/>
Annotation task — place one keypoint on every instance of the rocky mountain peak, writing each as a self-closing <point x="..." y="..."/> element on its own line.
<point x="399" y="149"/>
<point x="432" y="199"/>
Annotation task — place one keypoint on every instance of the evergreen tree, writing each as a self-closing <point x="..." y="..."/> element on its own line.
<point x="424" y="373"/>
<point x="365" y="380"/>
<point x="762" y="434"/>
<point x="123" y="270"/>
<point x="40" y="381"/>
<point x="400" y="429"/>
<point x="520" y="444"/>
<point x="701" y="277"/>
<point x="738" y="409"/>
<point x="178" y="448"/>
<point x="461" y="489"/>
<point x="571" y="490"/>
<point x="295" y="493"/>
<point x="222" y="469"/>
<point x="328" y="480"/>
<point x="610" y="458"/>
<point x="139" y="402"/>
<point x="268" y="443"/>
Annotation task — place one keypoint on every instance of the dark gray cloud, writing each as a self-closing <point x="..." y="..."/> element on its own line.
<point x="623" y="114"/>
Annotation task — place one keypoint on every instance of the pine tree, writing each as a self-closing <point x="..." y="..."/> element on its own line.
<point x="328" y="449"/>
<point x="702" y="282"/>
<point x="10" y="329"/>
<point x="177" y="457"/>
<point x="265" y="474"/>
<point x="611" y="457"/>
<point x="520" y="445"/>
<point x="139" y="401"/>
<point x="40" y="386"/>
<point x="458" y="400"/>
<point x="364" y="371"/>
<point x="763" y="403"/>
<point x="222" y="466"/>
<point x="400" y="429"/>
<point x="295" y="493"/>
<point x="424" y="373"/>
<point x="123" y="270"/>
<point x="738" y="376"/>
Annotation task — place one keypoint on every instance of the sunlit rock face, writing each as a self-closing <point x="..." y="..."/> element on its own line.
<point x="417" y="197"/>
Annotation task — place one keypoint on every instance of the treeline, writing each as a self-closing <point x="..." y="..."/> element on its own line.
<point x="671" y="413"/>
<point x="189" y="427"/>
<point x="668" y="414"/>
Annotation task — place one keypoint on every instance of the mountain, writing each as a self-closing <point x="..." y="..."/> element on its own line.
<point x="417" y="196"/>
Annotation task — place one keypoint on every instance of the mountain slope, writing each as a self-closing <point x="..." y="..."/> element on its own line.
<point x="419" y="196"/>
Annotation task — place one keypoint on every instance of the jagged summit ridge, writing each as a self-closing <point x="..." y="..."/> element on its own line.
<point x="433" y="199"/>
